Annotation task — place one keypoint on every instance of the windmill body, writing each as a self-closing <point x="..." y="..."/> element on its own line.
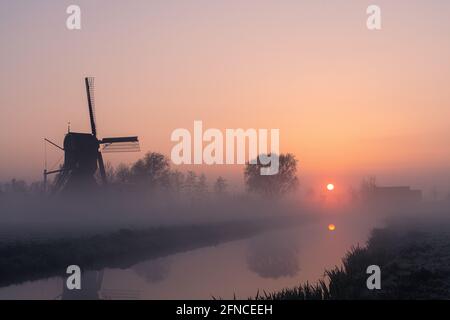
<point x="83" y="153"/>
<point x="80" y="159"/>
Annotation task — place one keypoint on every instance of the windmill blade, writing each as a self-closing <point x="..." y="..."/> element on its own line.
<point x="119" y="139"/>
<point x="101" y="166"/>
<point x="60" y="180"/>
<point x="89" y="82"/>
<point x="120" y="144"/>
<point x="121" y="147"/>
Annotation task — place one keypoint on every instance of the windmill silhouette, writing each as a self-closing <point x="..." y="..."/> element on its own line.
<point x="83" y="152"/>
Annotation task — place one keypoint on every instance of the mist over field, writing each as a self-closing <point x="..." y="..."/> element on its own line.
<point x="152" y="222"/>
<point x="103" y="211"/>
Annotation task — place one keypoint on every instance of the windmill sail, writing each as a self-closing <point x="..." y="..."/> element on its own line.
<point x="101" y="167"/>
<point x="91" y="103"/>
<point x="120" y="144"/>
<point x="89" y="82"/>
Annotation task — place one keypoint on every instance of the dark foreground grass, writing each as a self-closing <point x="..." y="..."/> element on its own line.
<point x="414" y="265"/>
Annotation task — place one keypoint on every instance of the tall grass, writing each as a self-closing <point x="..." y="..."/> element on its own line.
<point x="413" y="266"/>
<point x="343" y="282"/>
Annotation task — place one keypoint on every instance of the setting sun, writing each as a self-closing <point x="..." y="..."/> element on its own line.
<point x="330" y="187"/>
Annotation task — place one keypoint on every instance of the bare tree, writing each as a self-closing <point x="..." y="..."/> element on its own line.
<point x="190" y="182"/>
<point x="201" y="186"/>
<point x="122" y="174"/>
<point x="16" y="186"/>
<point x="220" y="186"/>
<point x="277" y="185"/>
<point x="176" y="181"/>
<point x="153" y="170"/>
<point x="368" y="186"/>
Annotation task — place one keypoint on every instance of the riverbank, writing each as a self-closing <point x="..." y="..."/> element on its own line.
<point x="32" y="260"/>
<point x="414" y="263"/>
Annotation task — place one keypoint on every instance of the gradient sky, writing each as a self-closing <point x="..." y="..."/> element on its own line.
<point x="348" y="101"/>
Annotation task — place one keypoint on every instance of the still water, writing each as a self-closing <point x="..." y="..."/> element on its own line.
<point x="267" y="262"/>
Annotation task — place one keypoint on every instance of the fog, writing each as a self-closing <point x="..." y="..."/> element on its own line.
<point x="100" y="212"/>
<point x="291" y="242"/>
<point x="25" y="216"/>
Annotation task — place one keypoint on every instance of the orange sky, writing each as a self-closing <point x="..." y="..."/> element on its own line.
<point x="348" y="101"/>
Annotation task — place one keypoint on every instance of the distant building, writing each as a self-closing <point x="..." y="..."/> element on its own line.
<point x="395" y="195"/>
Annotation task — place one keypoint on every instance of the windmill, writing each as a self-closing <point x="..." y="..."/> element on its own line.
<point x="83" y="152"/>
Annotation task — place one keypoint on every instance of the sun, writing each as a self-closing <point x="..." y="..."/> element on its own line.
<point x="330" y="187"/>
<point x="331" y="227"/>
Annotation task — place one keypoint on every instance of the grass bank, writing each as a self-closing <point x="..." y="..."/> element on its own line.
<point x="414" y="265"/>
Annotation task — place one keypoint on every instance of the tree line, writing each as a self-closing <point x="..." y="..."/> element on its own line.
<point x="154" y="172"/>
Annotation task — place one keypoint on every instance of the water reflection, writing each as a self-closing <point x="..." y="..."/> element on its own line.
<point x="153" y="271"/>
<point x="91" y="283"/>
<point x="273" y="256"/>
<point x="269" y="262"/>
